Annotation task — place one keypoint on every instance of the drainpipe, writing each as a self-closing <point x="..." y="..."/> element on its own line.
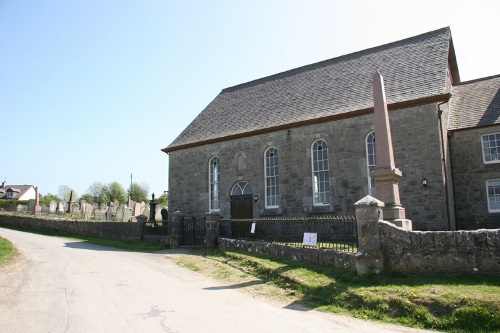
<point x="443" y="161"/>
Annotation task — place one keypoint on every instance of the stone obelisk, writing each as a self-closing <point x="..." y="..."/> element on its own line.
<point x="386" y="174"/>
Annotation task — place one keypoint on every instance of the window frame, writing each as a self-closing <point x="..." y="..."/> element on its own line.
<point x="494" y="210"/>
<point x="316" y="185"/>
<point x="275" y="178"/>
<point x="497" y="147"/>
<point x="370" y="167"/>
<point x="214" y="186"/>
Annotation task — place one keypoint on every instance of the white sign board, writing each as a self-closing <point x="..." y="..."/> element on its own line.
<point x="252" y="231"/>
<point x="310" y="238"/>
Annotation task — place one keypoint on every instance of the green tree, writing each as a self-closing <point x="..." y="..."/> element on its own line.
<point x="162" y="200"/>
<point x="47" y="198"/>
<point x="138" y="192"/>
<point x="115" y="191"/>
<point x="88" y="198"/>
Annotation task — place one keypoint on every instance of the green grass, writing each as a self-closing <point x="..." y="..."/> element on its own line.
<point x="451" y="303"/>
<point x="7" y="251"/>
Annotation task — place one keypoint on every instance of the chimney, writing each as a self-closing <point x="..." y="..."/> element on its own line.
<point x="4" y="183"/>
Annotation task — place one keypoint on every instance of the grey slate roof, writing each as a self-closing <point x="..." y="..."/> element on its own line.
<point x="412" y="68"/>
<point x="475" y="103"/>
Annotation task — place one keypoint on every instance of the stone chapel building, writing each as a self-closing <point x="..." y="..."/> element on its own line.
<point x="301" y="142"/>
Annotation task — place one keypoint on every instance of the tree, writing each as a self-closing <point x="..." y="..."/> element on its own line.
<point x="65" y="191"/>
<point x="115" y="191"/>
<point x="162" y="200"/>
<point x="97" y="193"/>
<point x="47" y="198"/>
<point x="138" y="192"/>
<point x="88" y="198"/>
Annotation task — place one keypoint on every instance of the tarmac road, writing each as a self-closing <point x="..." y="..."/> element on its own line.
<point x="63" y="285"/>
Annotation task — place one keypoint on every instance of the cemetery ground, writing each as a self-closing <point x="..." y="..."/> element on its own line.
<point x="448" y="303"/>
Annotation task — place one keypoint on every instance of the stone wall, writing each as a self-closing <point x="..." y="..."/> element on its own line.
<point x="440" y="251"/>
<point x="113" y="230"/>
<point x="417" y="151"/>
<point x="326" y="257"/>
<point x="470" y="187"/>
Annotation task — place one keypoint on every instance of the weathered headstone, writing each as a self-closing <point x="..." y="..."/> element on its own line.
<point x="60" y="208"/>
<point x="158" y="209"/>
<point x="127" y="215"/>
<point x="143" y="207"/>
<point x="75" y="209"/>
<point x="31" y="205"/>
<point x="137" y="209"/>
<point x="88" y="211"/>
<point x="119" y="213"/>
<point x="52" y="207"/>
<point x="146" y="211"/>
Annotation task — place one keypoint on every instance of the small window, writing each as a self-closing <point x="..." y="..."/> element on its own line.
<point x="320" y="168"/>
<point x="493" y="194"/>
<point x="272" y="178"/>
<point x="214" y="183"/>
<point x="10" y="195"/>
<point x="491" y="148"/>
<point x="370" y="161"/>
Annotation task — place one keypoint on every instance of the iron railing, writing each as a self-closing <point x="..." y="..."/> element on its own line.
<point x="326" y="232"/>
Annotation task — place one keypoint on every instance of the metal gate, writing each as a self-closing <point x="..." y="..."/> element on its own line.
<point x="193" y="231"/>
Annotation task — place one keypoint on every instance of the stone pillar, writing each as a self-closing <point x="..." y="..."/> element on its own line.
<point x="386" y="174"/>
<point x="38" y="209"/>
<point x="212" y="225"/>
<point x="369" y="259"/>
<point x="176" y="233"/>
<point x="71" y="201"/>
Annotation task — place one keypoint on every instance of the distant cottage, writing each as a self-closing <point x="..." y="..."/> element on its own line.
<point x="17" y="192"/>
<point x="302" y="142"/>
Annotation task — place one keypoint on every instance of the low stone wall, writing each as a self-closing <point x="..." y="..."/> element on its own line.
<point x="113" y="230"/>
<point x="440" y="251"/>
<point x="324" y="257"/>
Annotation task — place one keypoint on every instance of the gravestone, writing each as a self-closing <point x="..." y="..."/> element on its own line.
<point x="75" y="209"/>
<point x="137" y="209"/>
<point x="103" y="207"/>
<point x="127" y="215"/>
<point x="88" y="211"/>
<point x="98" y="215"/>
<point x="164" y="214"/>
<point x="158" y="209"/>
<point x="31" y="205"/>
<point x="145" y="211"/>
<point x="19" y="208"/>
<point x="119" y="213"/>
<point x="143" y="207"/>
<point x="52" y="207"/>
<point x="60" y="208"/>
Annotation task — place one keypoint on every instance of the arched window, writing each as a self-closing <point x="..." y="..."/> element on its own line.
<point x="320" y="170"/>
<point x="241" y="188"/>
<point x="370" y="161"/>
<point x="214" y="183"/>
<point x="272" y="178"/>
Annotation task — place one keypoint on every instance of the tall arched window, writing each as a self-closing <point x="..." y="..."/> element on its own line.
<point x="320" y="169"/>
<point x="370" y="161"/>
<point x="214" y="183"/>
<point x="272" y="178"/>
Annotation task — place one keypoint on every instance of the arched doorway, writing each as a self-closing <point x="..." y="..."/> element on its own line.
<point x="241" y="201"/>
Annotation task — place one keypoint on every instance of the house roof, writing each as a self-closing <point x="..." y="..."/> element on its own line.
<point x="475" y="103"/>
<point x="413" y="69"/>
<point x="16" y="190"/>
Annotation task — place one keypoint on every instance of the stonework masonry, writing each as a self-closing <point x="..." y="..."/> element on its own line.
<point x="417" y="153"/>
<point x="470" y="187"/>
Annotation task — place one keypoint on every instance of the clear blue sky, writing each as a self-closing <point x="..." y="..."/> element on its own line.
<point x="91" y="90"/>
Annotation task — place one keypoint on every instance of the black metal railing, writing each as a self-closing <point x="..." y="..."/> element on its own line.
<point x="331" y="232"/>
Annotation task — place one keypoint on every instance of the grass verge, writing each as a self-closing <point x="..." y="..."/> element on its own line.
<point x="450" y="303"/>
<point x="7" y="251"/>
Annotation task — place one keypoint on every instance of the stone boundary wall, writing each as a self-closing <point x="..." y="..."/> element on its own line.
<point x="326" y="257"/>
<point x="113" y="230"/>
<point x="440" y="251"/>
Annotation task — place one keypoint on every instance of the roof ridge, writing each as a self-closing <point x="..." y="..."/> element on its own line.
<point x="477" y="80"/>
<point x="325" y="62"/>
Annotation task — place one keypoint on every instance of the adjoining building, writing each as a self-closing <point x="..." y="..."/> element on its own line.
<point x="301" y="142"/>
